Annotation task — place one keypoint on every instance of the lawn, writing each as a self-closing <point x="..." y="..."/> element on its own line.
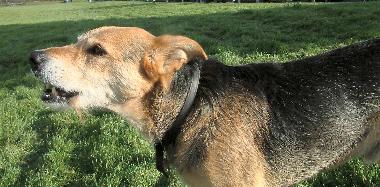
<point x="42" y="147"/>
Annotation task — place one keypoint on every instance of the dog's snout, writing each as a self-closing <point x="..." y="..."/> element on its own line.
<point x="36" y="59"/>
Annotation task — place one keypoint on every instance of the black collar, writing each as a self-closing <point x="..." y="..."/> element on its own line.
<point x="171" y="134"/>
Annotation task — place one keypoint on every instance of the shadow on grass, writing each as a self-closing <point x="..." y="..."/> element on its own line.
<point x="97" y="152"/>
<point x="45" y="132"/>
<point x="272" y="31"/>
<point x="164" y="181"/>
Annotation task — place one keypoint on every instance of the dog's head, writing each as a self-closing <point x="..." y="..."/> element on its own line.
<point x="110" y="67"/>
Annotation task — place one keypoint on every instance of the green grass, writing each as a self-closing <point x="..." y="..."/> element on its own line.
<point x="41" y="147"/>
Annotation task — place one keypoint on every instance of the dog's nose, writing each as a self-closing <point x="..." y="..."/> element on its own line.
<point x="36" y="58"/>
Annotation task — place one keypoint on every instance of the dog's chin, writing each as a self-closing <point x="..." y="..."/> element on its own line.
<point x="57" y="97"/>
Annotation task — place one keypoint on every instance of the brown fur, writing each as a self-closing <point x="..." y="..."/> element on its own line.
<point x="368" y="148"/>
<point x="243" y="128"/>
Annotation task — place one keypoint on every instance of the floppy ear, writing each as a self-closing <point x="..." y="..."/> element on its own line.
<point x="167" y="55"/>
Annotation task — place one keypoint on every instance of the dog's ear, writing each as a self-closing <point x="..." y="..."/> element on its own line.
<point x="167" y="55"/>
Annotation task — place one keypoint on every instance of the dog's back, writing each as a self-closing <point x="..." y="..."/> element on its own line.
<point x="317" y="111"/>
<point x="320" y="108"/>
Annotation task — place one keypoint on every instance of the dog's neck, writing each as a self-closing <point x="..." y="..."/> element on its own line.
<point x="169" y="108"/>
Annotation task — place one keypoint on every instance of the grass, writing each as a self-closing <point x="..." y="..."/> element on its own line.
<point x="41" y="147"/>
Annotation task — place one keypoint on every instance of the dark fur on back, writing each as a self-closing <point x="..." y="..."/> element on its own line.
<point x="305" y="115"/>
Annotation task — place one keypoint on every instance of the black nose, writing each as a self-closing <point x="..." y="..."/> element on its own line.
<point x="36" y="59"/>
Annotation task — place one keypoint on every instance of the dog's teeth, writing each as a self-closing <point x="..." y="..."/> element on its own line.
<point x="54" y="91"/>
<point x="48" y="86"/>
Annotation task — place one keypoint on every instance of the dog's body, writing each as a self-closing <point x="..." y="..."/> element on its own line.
<point x="253" y="125"/>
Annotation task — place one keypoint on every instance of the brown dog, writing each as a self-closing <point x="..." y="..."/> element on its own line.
<point x="254" y="125"/>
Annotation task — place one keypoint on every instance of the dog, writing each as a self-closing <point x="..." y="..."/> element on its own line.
<point x="263" y="124"/>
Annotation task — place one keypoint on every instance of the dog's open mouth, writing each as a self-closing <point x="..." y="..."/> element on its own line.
<point x="54" y="94"/>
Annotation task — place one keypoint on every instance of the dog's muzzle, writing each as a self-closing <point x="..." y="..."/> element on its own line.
<point x="52" y="93"/>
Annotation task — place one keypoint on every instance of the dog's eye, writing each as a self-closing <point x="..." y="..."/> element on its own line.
<point x="96" y="50"/>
